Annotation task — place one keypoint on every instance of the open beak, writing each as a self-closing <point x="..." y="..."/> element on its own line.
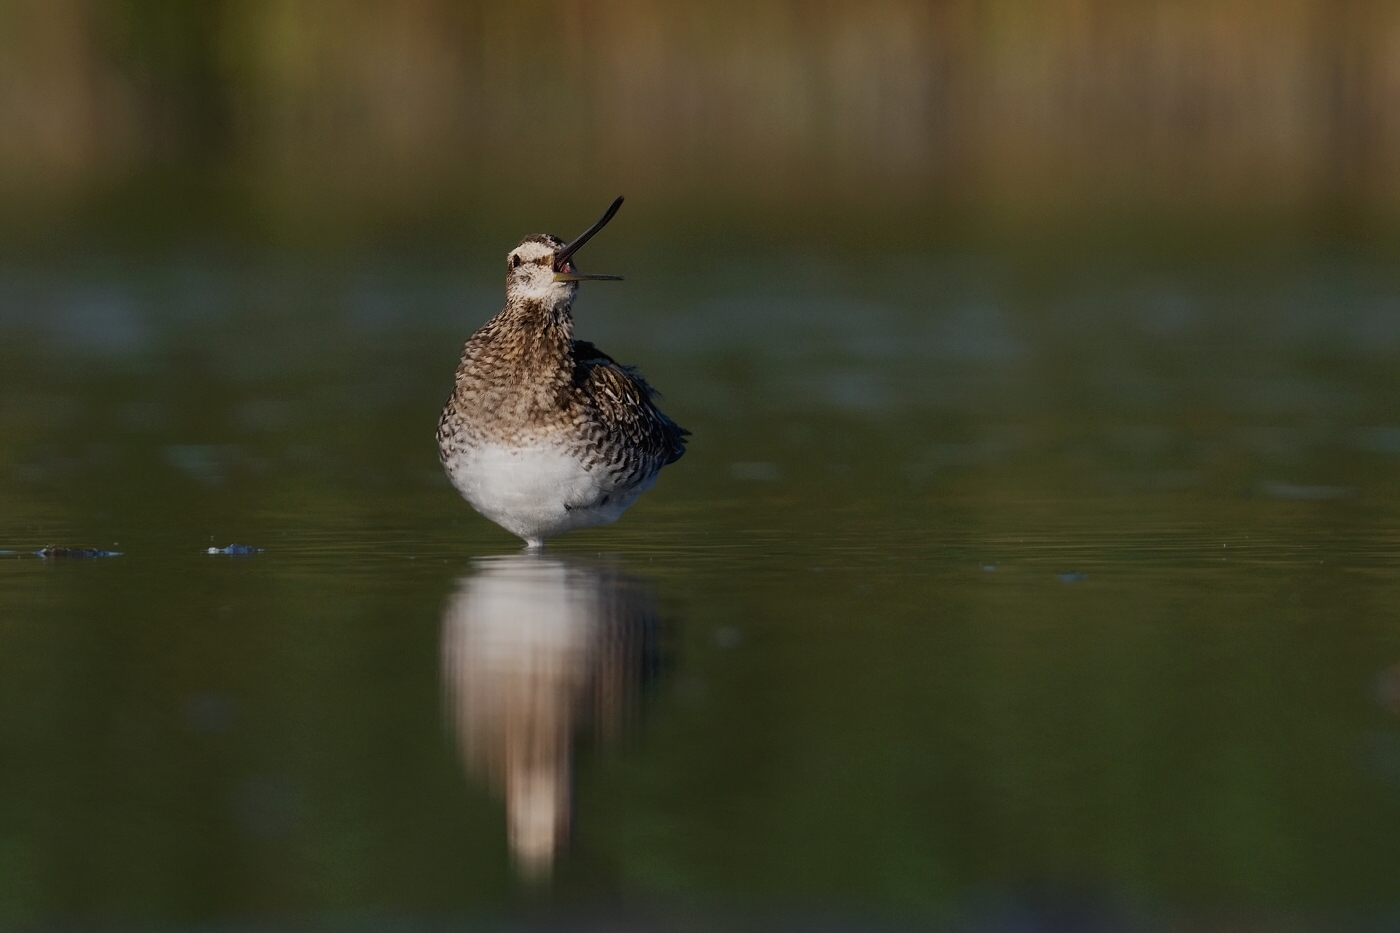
<point x="564" y="270"/>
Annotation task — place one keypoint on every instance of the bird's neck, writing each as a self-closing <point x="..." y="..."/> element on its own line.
<point x="518" y="365"/>
<point x="532" y="331"/>
<point x="535" y="312"/>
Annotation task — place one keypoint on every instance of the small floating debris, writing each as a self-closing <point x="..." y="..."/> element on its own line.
<point x="235" y="549"/>
<point x="55" y="553"/>
<point x="1072" y="577"/>
<point x="989" y="567"/>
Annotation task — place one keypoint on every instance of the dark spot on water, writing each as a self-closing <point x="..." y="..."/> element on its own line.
<point x="55" y="553"/>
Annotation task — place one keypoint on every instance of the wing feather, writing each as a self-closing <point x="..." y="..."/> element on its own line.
<point x="624" y="399"/>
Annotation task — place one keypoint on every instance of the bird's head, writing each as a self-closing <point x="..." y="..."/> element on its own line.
<point x="541" y="268"/>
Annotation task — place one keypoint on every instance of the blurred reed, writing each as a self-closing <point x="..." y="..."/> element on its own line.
<point x="315" y="108"/>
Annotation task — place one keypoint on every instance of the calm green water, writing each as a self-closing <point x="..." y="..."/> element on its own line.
<point x="1000" y="592"/>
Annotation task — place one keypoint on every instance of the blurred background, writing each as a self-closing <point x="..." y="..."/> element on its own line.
<point x="304" y="121"/>
<point x="1033" y="565"/>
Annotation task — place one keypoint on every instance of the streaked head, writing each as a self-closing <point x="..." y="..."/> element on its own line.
<point x="541" y="268"/>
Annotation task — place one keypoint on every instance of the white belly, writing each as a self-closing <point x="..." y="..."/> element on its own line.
<point x="536" y="492"/>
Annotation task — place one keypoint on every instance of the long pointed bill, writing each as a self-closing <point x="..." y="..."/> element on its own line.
<point x="561" y="258"/>
<point x="585" y="277"/>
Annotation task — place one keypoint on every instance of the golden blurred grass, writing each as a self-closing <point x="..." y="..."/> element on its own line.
<point x="326" y="106"/>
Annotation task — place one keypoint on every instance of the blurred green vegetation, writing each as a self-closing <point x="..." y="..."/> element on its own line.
<point x="320" y="122"/>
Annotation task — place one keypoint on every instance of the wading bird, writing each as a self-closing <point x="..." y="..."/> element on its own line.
<point x="544" y="433"/>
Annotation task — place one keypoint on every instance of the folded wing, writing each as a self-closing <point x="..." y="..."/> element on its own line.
<point x="624" y="400"/>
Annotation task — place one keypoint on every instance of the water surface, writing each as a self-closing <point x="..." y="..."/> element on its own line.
<point x="994" y="591"/>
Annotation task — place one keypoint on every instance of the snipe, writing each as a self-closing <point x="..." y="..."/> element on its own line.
<point x="544" y="433"/>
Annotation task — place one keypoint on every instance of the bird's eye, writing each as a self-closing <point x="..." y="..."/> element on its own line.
<point x="514" y="261"/>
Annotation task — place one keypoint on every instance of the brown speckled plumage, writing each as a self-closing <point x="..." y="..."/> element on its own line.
<point x="524" y="382"/>
<point x="522" y="375"/>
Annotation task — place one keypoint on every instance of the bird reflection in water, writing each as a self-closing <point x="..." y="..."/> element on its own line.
<point x="536" y="650"/>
